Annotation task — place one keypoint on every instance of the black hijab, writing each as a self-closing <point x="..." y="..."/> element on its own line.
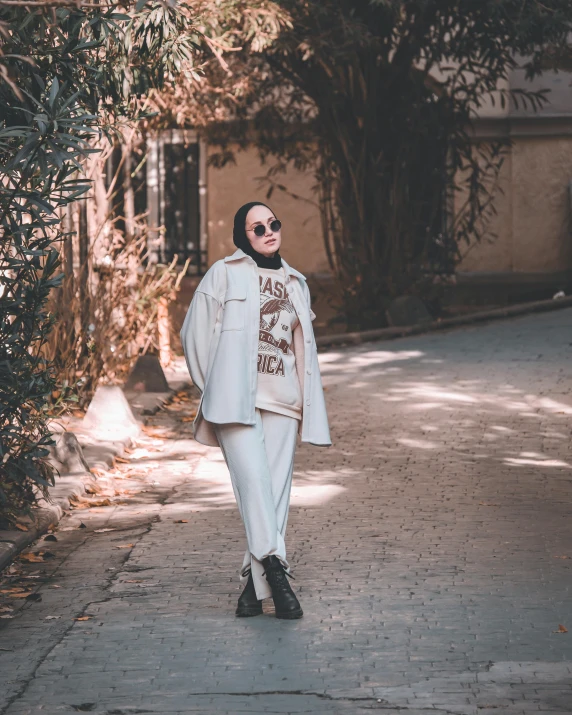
<point x="241" y="239"/>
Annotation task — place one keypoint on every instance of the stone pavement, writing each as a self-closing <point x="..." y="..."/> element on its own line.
<point x="432" y="549"/>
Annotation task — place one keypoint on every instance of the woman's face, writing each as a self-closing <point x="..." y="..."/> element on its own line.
<point x="268" y="244"/>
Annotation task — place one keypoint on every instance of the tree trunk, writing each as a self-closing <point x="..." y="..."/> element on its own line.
<point x="164" y="329"/>
<point x="128" y="193"/>
<point x="384" y="175"/>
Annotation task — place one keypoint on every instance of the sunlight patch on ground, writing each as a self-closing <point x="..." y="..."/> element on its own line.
<point x="425" y="406"/>
<point x="535" y="459"/>
<point x="536" y="463"/>
<point x="417" y="443"/>
<point x="315" y="494"/>
<point x="340" y="362"/>
<point x="504" y="430"/>
<point x="308" y="488"/>
<point x="546" y="403"/>
<point x="377" y="357"/>
<point x="434" y="392"/>
<point x="428" y="395"/>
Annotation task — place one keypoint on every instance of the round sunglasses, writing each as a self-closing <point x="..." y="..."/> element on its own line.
<point x="260" y="229"/>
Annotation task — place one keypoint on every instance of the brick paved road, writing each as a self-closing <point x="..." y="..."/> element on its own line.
<point x="432" y="548"/>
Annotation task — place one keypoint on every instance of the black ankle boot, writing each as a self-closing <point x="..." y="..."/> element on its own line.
<point x="285" y="602"/>
<point x="248" y="604"/>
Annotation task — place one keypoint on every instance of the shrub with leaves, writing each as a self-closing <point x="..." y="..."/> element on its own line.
<point x="67" y="73"/>
<point x="120" y="318"/>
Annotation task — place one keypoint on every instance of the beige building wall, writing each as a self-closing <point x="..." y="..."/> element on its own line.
<point x="533" y="208"/>
<point x="234" y="185"/>
<point x="494" y="251"/>
<point x="529" y="233"/>
<point x="542" y="171"/>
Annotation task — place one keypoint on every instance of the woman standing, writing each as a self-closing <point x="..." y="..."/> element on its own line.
<point x="250" y="350"/>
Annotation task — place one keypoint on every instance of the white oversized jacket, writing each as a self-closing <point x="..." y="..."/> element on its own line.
<point x="220" y="342"/>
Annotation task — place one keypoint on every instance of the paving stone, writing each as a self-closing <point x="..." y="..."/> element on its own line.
<point x="428" y="547"/>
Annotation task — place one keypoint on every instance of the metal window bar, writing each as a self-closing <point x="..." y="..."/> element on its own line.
<point x="176" y="198"/>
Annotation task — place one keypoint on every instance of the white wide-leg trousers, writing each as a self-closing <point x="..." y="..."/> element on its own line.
<point x="260" y="459"/>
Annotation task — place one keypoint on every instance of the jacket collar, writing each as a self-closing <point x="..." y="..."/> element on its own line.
<point x="239" y="254"/>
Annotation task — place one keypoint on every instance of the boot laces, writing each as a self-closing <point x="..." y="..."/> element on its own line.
<point x="277" y="576"/>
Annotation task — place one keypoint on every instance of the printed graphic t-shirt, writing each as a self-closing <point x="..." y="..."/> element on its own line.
<point x="278" y="384"/>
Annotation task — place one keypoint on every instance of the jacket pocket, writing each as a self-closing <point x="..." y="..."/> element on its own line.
<point x="234" y="310"/>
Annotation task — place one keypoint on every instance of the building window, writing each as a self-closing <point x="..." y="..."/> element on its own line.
<point x="176" y="199"/>
<point x="164" y="184"/>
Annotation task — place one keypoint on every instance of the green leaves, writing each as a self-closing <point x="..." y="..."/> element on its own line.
<point x="66" y="75"/>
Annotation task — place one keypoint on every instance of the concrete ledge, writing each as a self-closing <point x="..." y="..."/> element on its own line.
<point x="389" y="333"/>
<point x="14" y="542"/>
<point x="99" y="455"/>
<point x="47" y="514"/>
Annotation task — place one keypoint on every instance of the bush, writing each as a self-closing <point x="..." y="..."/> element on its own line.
<point x="66" y="74"/>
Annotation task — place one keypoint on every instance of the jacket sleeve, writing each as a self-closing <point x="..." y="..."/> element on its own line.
<point x="309" y="301"/>
<point x="196" y="335"/>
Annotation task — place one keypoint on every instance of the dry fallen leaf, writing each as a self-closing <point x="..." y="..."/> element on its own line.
<point x="181" y="521"/>
<point x="22" y="527"/>
<point x="14" y="589"/>
<point x="561" y="629"/>
<point x="83" y="618"/>
<point x="561" y="557"/>
<point x="92" y="489"/>
<point x="122" y="460"/>
<point x="88" y="504"/>
<point x="20" y="595"/>
<point x="125" y="546"/>
<point x="31" y="558"/>
<point x="157" y="432"/>
<point x="101" y="502"/>
<point x="191" y="418"/>
<point x="182" y="395"/>
<point x="91" y="504"/>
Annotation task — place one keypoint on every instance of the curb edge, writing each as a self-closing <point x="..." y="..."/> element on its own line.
<point x="358" y="337"/>
<point x="13" y="543"/>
